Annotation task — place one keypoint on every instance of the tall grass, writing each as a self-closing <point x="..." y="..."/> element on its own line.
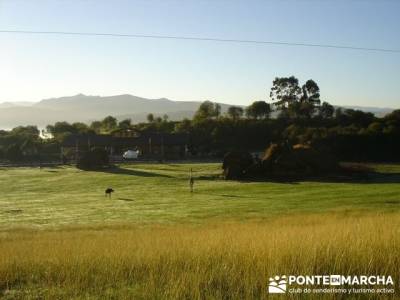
<point x="213" y="261"/>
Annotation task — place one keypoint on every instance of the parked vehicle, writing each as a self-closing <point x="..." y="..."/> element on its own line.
<point x="131" y="154"/>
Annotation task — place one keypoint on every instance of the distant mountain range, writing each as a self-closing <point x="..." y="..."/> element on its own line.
<point x="82" y="108"/>
<point x="13" y="104"/>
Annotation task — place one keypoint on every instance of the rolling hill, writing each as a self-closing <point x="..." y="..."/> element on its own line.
<point x="83" y="108"/>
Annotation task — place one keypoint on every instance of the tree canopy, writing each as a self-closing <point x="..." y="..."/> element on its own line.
<point x="207" y="110"/>
<point x="258" y="110"/>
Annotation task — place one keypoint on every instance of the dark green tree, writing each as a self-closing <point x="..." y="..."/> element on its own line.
<point x="258" y="110"/>
<point x="235" y="112"/>
<point x="150" y="118"/>
<point x="13" y="152"/>
<point x="298" y="102"/>
<point x="96" y="126"/>
<point x="93" y="159"/>
<point x="310" y="93"/>
<point x="81" y="127"/>
<point x="217" y="110"/>
<point x="109" y="124"/>
<point x="326" y="110"/>
<point x="32" y="131"/>
<point x="60" y="129"/>
<point x="285" y="91"/>
<point x="207" y="110"/>
<point x="125" y="124"/>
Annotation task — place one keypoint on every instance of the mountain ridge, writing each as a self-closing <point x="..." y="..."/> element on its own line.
<point x="86" y="108"/>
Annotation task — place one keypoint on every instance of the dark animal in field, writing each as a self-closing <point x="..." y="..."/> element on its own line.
<point x="108" y="192"/>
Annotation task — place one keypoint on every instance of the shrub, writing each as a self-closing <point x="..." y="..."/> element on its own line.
<point x="235" y="164"/>
<point x="284" y="159"/>
<point x="13" y="152"/>
<point x="93" y="159"/>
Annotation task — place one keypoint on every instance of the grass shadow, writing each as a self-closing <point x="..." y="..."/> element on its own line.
<point x="233" y="196"/>
<point x="208" y="177"/>
<point x="393" y="202"/>
<point x="131" y="172"/>
<point x="14" y="211"/>
<point x="273" y="179"/>
<point x="126" y="199"/>
<point x="358" y="178"/>
<point x="357" y="173"/>
<point x="366" y="177"/>
<point x="43" y="166"/>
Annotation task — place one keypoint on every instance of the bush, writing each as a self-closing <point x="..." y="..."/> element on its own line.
<point x="284" y="159"/>
<point x="94" y="159"/>
<point x="13" y="153"/>
<point x="236" y="163"/>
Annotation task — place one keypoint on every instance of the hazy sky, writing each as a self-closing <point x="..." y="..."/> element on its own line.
<point x="33" y="67"/>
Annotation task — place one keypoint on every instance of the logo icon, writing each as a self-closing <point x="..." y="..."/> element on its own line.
<point x="335" y="280"/>
<point x="277" y="285"/>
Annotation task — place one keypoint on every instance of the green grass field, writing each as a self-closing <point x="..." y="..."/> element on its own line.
<point x="159" y="193"/>
<point x="61" y="238"/>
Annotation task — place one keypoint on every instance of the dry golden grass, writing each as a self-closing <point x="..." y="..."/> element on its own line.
<point x="214" y="261"/>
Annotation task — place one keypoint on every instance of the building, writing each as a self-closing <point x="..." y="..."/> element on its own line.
<point x="150" y="145"/>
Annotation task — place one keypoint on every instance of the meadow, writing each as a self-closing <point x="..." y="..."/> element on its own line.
<point x="159" y="193"/>
<point x="61" y="238"/>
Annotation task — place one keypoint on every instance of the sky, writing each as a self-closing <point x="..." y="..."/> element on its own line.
<point x="35" y="67"/>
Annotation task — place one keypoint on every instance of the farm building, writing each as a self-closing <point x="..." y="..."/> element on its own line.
<point x="149" y="145"/>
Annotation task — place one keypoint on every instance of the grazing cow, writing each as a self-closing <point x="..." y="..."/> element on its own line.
<point x="108" y="192"/>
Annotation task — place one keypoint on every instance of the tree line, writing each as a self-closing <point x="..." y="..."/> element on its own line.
<point x="295" y="113"/>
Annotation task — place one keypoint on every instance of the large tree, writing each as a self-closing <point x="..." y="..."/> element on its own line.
<point x="258" y="109"/>
<point x="310" y="99"/>
<point x="61" y="129"/>
<point x="326" y="110"/>
<point x="26" y="131"/>
<point x="293" y="100"/>
<point x="96" y="126"/>
<point x="207" y="110"/>
<point x="310" y="93"/>
<point x="285" y="91"/>
<point x="217" y="110"/>
<point x="109" y="124"/>
<point x="235" y="112"/>
<point x="125" y="124"/>
<point x="150" y="118"/>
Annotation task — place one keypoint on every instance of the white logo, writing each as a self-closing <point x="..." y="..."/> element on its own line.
<point x="335" y="280"/>
<point x="277" y="285"/>
<point x="347" y="284"/>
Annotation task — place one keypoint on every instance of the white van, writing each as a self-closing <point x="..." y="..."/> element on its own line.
<point x="131" y="154"/>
